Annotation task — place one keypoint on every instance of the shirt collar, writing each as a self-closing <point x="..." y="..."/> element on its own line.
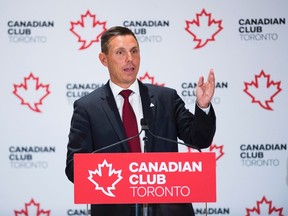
<point x="117" y="89"/>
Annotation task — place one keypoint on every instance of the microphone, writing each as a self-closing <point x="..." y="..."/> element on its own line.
<point x="117" y="143"/>
<point x="145" y="126"/>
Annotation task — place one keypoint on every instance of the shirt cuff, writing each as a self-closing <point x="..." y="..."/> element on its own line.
<point x="206" y="110"/>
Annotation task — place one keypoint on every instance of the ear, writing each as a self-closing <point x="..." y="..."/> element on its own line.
<point x="103" y="59"/>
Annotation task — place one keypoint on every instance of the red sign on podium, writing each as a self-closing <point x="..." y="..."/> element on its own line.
<point x="144" y="178"/>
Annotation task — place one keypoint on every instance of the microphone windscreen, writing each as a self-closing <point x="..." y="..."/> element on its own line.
<point x="143" y="122"/>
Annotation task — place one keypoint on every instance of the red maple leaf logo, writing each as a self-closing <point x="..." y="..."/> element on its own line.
<point x="264" y="207"/>
<point x="269" y="89"/>
<point x="203" y="29"/>
<point x="149" y="79"/>
<point x="31" y="92"/>
<point x="105" y="178"/>
<point x="213" y="148"/>
<point x="88" y="30"/>
<point x="218" y="150"/>
<point x="32" y="209"/>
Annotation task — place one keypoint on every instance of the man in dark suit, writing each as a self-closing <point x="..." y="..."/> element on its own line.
<point x="97" y="118"/>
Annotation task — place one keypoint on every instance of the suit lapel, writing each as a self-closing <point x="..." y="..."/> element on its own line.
<point x="149" y="107"/>
<point x="112" y="113"/>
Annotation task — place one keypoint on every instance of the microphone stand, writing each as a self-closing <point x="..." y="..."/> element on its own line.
<point x="145" y="206"/>
<point x="145" y="139"/>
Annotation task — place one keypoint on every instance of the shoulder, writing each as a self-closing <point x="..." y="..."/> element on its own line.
<point x="160" y="89"/>
<point x="163" y="94"/>
<point x="93" y="96"/>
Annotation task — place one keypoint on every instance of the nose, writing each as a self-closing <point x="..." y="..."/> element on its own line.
<point x="129" y="56"/>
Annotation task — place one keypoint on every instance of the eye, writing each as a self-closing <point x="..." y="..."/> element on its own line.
<point x="119" y="52"/>
<point x="134" y="51"/>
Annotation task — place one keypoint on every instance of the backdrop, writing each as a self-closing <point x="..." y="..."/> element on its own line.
<point x="49" y="58"/>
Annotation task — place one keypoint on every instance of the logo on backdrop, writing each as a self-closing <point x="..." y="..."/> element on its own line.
<point x="261" y="155"/>
<point x="78" y="212"/>
<point x="75" y="91"/>
<point x="264" y="207"/>
<point x="263" y="90"/>
<point x="203" y="28"/>
<point x="144" y="29"/>
<point x="188" y="92"/>
<point x="88" y="29"/>
<point x="259" y="29"/>
<point x="99" y="178"/>
<point x="32" y="208"/>
<point x="24" y="156"/>
<point x="146" y="78"/>
<point x="21" y="31"/>
<point x="218" y="150"/>
<point x="31" y="92"/>
<point x="212" y="211"/>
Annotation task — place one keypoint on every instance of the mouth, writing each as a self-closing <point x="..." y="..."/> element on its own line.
<point x="129" y="69"/>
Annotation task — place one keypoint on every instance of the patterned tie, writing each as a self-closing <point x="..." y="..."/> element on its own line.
<point x="130" y="123"/>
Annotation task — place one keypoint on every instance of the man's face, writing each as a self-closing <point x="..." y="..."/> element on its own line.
<point x="122" y="60"/>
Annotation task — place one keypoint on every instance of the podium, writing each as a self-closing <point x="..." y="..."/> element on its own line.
<point x="122" y="178"/>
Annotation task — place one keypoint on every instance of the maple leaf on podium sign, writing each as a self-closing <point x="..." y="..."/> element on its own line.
<point x="264" y="207"/>
<point x="32" y="209"/>
<point x="31" y="92"/>
<point x="262" y="90"/>
<point x="203" y="29"/>
<point x="88" y="30"/>
<point x="105" y="178"/>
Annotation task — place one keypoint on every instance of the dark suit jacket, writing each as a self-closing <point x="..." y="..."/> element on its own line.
<point x="96" y="123"/>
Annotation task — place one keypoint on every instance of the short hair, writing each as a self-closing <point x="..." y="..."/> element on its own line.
<point x="112" y="32"/>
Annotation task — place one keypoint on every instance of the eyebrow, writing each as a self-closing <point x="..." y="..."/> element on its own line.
<point x="122" y="48"/>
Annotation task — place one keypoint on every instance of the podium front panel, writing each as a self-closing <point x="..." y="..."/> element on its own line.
<point x="144" y="178"/>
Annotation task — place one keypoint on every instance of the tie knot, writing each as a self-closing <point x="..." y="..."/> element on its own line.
<point x="125" y="93"/>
